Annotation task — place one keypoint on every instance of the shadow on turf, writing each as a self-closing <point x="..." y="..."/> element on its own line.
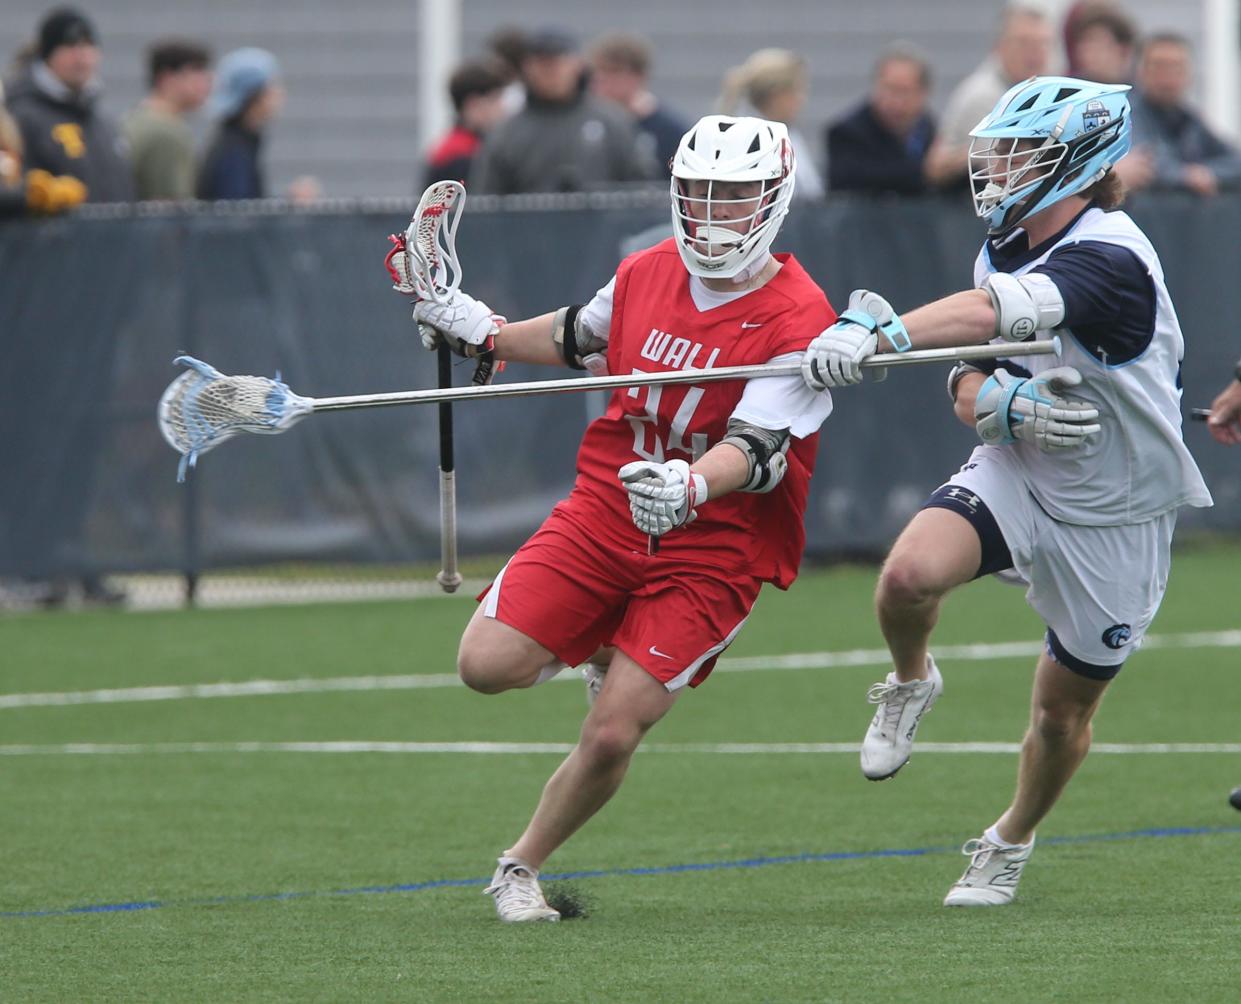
<point x="568" y="901"/>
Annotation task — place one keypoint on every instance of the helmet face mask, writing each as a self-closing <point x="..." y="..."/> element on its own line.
<point x="1048" y="138"/>
<point x="1007" y="169"/>
<point x="732" y="179"/>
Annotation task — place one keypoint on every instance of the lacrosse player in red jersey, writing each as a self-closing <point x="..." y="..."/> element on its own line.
<point x="718" y="474"/>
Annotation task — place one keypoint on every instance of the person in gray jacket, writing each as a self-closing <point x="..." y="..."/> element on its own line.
<point x="55" y="104"/>
<point x="1170" y="140"/>
<point x="564" y="139"/>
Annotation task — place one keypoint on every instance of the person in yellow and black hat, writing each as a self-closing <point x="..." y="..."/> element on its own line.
<point x="55" y="103"/>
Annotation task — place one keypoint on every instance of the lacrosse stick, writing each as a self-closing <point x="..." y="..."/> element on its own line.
<point x="202" y="407"/>
<point x="434" y="273"/>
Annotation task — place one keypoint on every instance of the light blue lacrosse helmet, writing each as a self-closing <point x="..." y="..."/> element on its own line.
<point x="1075" y="130"/>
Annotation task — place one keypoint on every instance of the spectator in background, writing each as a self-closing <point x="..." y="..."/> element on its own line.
<point x="1179" y="150"/>
<point x="1022" y="50"/>
<point x="161" y="146"/>
<point x="23" y="192"/>
<point x="620" y="71"/>
<point x="477" y="91"/>
<point x="55" y="103"/>
<point x="882" y="145"/>
<point x="1099" y="38"/>
<point x="564" y="139"/>
<point x="247" y="96"/>
<point x="773" y="84"/>
<point x="508" y="46"/>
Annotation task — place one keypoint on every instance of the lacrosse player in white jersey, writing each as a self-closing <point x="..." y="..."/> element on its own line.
<point x="1075" y="489"/>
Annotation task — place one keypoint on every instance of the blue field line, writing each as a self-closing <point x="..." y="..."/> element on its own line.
<point x="701" y="866"/>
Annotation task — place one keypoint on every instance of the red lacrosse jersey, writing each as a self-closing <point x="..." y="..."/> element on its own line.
<point x="656" y="327"/>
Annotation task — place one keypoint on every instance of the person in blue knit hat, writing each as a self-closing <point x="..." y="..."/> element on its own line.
<point x="247" y="96"/>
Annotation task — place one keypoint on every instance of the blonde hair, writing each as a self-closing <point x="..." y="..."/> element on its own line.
<point x="766" y="73"/>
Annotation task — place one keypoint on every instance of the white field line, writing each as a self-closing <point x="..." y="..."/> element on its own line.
<point x="1010" y="749"/>
<point x="804" y="660"/>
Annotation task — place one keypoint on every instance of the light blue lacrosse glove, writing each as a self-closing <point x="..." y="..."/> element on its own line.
<point x="1010" y="408"/>
<point x="835" y="357"/>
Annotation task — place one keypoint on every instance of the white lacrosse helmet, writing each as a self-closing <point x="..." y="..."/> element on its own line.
<point x="720" y="148"/>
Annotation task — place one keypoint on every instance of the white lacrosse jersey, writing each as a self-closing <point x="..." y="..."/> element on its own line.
<point x="1121" y="333"/>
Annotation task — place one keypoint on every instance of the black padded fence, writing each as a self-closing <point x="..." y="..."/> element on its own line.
<point x="94" y="307"/>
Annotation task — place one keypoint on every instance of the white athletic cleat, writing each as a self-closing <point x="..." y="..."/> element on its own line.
<point x="885" y="750"/>
<point x="992" y="876"/>
<point x="594" y="675"/>
<point x="515" y="886"/>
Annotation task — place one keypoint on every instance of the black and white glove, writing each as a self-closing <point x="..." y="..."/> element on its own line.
<point x="662" y="496"/>
<point x="465" y="324"/>
<point x="835" y="357"/>
<point x="1034" y="410"/>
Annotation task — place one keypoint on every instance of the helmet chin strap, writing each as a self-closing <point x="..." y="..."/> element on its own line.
<point x="751" y="270"/>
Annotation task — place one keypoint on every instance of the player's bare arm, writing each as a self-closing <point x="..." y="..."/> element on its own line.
<point x="1224" y="422"/>
<point x="965" y="318"/>
<point x="469" y="327"/>
<point x="965" y="394"/>
<point x="529" y="341"/>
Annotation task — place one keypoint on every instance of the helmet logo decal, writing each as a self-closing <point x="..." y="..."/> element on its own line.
<point x="1095" y="116"/>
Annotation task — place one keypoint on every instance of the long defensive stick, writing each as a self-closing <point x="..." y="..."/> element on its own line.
<point x="202" y="407"/>
<point x="532" y="387"/>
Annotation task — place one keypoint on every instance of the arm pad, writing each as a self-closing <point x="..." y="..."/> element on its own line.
<point x="574" y="339"/>
<point x="764" y="450"/>
<point x="1023" y="305"/>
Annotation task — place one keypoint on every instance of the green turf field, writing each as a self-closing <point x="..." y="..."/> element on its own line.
<point x="227" y="873"/>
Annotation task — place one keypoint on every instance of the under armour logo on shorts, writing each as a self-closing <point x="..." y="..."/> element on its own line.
<point x="965" y="497"/>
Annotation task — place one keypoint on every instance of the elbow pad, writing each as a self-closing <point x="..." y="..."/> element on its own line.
<point x="764" y="450"/>
<point x="577" y="343"/>
<point x="1023" y="305"/>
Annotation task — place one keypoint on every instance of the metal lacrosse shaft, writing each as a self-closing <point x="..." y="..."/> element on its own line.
<point x="532" y="387"/>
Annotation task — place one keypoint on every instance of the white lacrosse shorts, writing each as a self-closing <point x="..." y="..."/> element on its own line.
<point x="1096" y="587"/>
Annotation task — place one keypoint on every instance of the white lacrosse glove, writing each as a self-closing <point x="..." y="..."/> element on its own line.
<point x="1009" y="408"/>
<point x="835" y="357"/>
<point x="662" y="496"/>
<point x="467" y="325"/>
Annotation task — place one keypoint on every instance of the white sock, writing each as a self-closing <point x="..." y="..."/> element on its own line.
<point x="549" y="671"/>
<point x="993" y="835"/>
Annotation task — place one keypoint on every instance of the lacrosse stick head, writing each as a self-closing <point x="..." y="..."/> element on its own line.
<point x="202" y="408"/>
<point x="424" y="261"/>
